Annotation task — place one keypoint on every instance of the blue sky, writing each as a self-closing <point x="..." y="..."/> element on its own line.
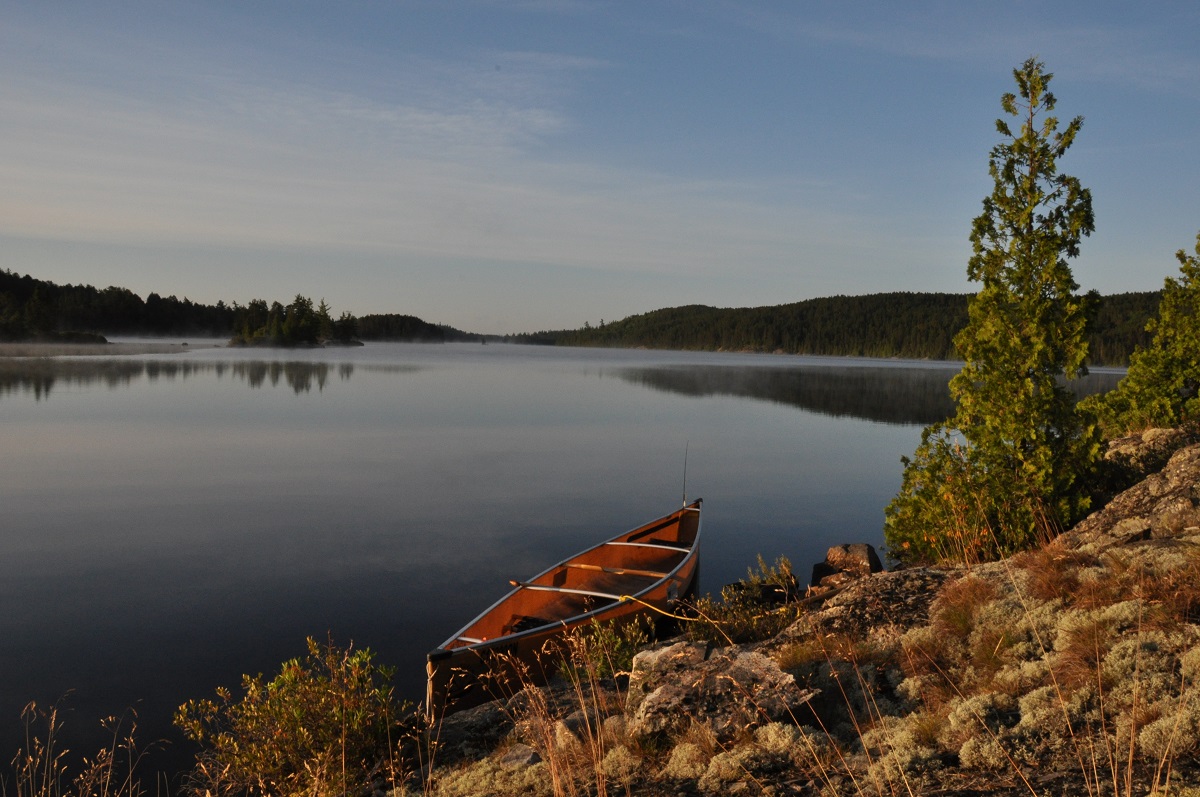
<point x="524" y="165"/>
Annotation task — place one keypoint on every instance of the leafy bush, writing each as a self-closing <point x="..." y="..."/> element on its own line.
<point x="325" y="725"/>
<point x="752" y="609"/>
<point x="604" y="650"/>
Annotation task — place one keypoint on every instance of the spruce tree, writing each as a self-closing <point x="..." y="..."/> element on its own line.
<point x="1011" y="466"/>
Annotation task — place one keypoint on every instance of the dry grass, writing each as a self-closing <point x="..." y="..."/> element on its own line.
<point x="959" y="603"/>
<point x="577" y="731"/>
<point x="1052" y="573"/>
<point x="42" y="768"/>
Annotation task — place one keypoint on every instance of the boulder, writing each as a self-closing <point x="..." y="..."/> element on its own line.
<point x="730" y="691"/>
<point x="471" y="734"/>
<point x="844" y="563"/>
<point x="519" y="756"/>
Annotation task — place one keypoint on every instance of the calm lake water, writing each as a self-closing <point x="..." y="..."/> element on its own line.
<point x="172" y="522"/>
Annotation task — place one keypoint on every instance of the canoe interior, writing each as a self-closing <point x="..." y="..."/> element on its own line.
<point x="656" y="563"/>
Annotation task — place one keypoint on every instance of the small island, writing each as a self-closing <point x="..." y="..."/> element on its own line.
<point x="297" y="325"/>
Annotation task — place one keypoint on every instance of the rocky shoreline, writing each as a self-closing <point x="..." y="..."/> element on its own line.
<point x="1070" y="670"/>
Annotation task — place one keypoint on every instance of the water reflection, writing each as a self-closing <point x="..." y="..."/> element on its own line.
<point x="885" y="394"/>
<point x="893" y="394"/>
<point x="40" y="376"/>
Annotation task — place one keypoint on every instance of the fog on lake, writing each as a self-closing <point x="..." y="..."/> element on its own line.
<point x="172" y="522"/>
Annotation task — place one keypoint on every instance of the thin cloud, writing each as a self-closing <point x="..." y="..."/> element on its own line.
<point x="443" y="162"/>
<point x="1131" y="54"/>
<point x="275" y="170"/>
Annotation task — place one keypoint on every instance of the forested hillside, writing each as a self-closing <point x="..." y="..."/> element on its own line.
<point x="391" y="326"/>
<point x="907" y="325"/>
<point x="33" y="308"/>
<point x="1121" y="326"/>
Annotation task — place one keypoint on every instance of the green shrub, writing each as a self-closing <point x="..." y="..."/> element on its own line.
<point x="604" y="650"/>
<point x="755" y="608"/>
<point x="325" y="725"/>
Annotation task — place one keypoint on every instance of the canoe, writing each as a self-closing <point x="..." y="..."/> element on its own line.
<point x="622" y="579"/>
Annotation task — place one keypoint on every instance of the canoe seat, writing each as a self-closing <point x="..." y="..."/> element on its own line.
<point x="524" y="622"/>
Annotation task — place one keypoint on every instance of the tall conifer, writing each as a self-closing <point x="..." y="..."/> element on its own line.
<point x="1011" y="466"/>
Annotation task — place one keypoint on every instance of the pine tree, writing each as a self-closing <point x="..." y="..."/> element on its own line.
<point x="1011" y="466"/>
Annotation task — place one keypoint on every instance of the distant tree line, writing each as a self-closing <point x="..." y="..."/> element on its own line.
<point x="33" y="309"/>
<point x="906" y="325"/>
<point x="393" y="327"/>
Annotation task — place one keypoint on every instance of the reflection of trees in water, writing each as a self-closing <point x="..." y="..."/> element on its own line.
<point x="903" y="395"/>
<point x="41" y="375"/>
<point x="299" y="376"/>
<point x="896" y="395"/>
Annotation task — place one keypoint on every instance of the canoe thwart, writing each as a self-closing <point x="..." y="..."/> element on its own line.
<point x="621" y="571"/>
<point x="661" y="545"/>
<point x="566" y="590"/>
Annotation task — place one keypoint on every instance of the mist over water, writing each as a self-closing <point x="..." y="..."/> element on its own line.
<point x="170" y="523"/>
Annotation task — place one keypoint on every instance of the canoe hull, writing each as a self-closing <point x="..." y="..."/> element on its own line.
<point x="518" y="640"/>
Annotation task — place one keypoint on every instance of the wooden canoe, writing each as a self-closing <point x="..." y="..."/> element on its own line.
<point x="621" y="579"/>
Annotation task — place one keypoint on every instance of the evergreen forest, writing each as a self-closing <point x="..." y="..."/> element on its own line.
<point x="904" y="325"/>
<point x="38" y="310"/>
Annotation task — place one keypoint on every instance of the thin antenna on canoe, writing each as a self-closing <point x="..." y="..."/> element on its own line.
<point x="685" y="453"/>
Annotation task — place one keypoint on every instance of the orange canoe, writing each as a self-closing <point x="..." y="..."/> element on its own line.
<point x="647" y="568"/>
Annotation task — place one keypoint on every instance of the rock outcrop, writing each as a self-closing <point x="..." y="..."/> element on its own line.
<point x="729" y="692"/>
<point x="1165" y="504"/>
